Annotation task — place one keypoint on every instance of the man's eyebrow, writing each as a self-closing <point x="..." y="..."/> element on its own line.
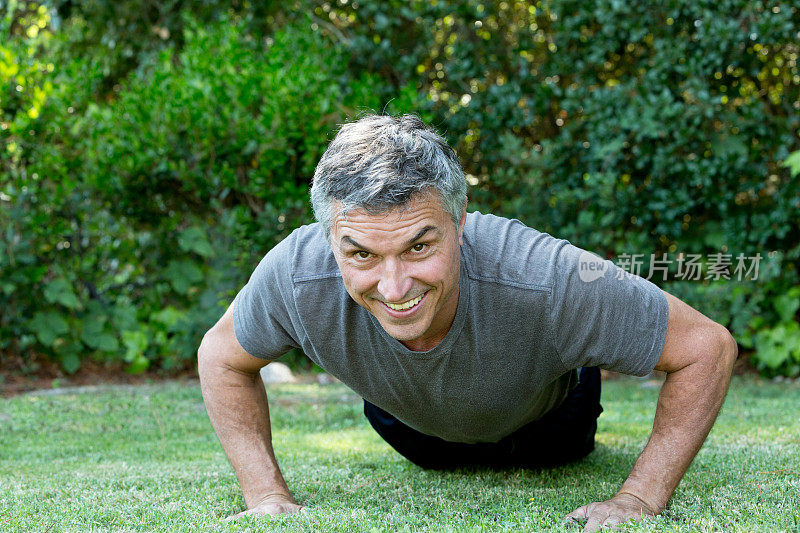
<point x="351" y="242"/>
<point x="420" y="234"/>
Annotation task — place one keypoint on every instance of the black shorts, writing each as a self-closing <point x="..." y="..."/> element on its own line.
<point x="563" y="435"/>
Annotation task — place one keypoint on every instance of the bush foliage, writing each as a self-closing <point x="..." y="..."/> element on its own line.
<point x="153" y="152"/>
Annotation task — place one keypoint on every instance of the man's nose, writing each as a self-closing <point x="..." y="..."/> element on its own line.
<point x="394" y="284"/>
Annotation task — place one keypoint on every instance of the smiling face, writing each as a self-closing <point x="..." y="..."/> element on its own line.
<point x="403" y="266"/>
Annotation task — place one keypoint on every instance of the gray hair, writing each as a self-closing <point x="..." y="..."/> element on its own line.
<point x="379" y="162"/>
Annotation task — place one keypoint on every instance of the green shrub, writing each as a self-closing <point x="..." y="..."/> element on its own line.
<point x="774" y="334"/>
<point x="133" y="221"/>
<point x="154" y="153"/>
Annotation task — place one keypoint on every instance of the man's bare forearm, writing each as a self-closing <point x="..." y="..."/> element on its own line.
<point x="237" y="407"/>
<point x="688" y="405"/>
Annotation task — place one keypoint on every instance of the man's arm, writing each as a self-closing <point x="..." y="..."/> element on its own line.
<point x="236" y="402"/>
<point x="698" y="358"/>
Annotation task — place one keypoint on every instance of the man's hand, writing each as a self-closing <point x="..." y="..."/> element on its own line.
<point x="237" y="406"/>
<point x="271" y="506"/>
<point x="698" y="357"/>
<point x="618" y="510"/>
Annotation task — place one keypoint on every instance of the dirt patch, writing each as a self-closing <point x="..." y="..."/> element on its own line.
<point x="41" y="374"/>
<point x="17" y="376"/>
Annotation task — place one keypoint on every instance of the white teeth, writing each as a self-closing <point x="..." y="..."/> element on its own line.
<point x="405" y="305"/>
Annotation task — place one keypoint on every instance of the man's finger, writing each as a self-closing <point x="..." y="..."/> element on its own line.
<point x="234" y="517"/>
<point x="269" y="510"/>
<point x="611" y="521"/>
<point x="593" y="523"/>
<point x="243" y="513"/>
<point x="286" y="509"/>
<point x="581" y="513"/>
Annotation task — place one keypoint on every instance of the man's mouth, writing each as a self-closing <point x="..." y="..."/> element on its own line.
<point x="408" y="304"/>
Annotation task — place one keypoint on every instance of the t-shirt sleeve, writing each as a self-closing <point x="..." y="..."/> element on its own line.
<point x="604" y="316"/>
<point x="261" y="310"/>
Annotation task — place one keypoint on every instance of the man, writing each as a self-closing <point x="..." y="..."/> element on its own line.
<point x="463" y="332"/>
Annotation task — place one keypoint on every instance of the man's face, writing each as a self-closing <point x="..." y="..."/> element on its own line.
<point x="403" y="266"/>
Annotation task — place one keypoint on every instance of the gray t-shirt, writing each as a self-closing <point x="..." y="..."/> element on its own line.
<point x="529" y="313"/>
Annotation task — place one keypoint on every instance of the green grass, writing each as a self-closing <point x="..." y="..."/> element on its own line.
<point x="146" y="459"/>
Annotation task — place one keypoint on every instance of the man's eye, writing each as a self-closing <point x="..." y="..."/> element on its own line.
<point x="419" y="247"/>
<point x="362" y="255"/>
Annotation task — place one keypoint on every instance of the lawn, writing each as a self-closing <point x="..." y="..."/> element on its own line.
<point x="145" y="458"/>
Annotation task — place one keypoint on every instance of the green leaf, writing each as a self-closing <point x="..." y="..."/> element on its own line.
<point x="60" y="291"/>
<point x="793" y="163"/>
<point x="792" y="339"/>
<point x="70" y="362"/>
<point x="48" y="326"/>
<point x="106" y="342"/>
<point x="92" y="325"/>
<point x="93" y="333"/>
<point x="786" y="305"/>
<point x="745" y="339"/>
<point x="138" y="365"/>
<point x="768" y="352"/>
<point x="7" y="287"/>
<point x="778" y="346"/>
<point x="729" y="145"/>
<point x="194" y="239"/>
<point x="182" y="275"/>
<point x="69" y="354"/>
<point x="169" y="316"/>
<point x="611" y="147"/>
<point x="89" y="336"/>
<point x="96" y="338"/>
<point x="135" y="344"/>
<point x="123" y="315"/>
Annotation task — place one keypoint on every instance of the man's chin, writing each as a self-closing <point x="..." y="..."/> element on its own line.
<point x="402" y="333"/>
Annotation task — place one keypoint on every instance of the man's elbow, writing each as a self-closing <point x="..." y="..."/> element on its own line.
<point x="727" y="351"/>
<point x="204" y="352"/>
